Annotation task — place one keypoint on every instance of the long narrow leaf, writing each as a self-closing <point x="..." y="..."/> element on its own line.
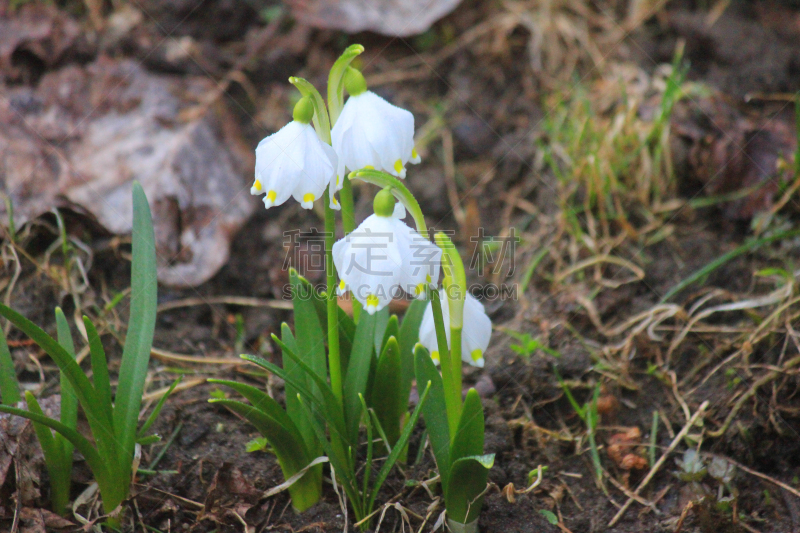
<point x="468" y="440"/>
<point x="93" y="458"/>
<point x="57" y="457"/>
<point x="435" y="411"/>
<point x="386" y="398"/>
<point x="356" y="379"/>
<point x="289" y="450"/>
<point x="408" y="337"/>
<point x="266" y="404"/>
<point x="381" y="322"/>
<point x="157" y="410"/>
<point x="139" y="337"/>
<point x="102" y="383"/>
<point x="333" y="408"/>
<point x="307" y="326"/>
<point x="468" y="477"/>
<point x="69" y="402"/>
<point x="9" y="386"/>
<point x="80" y="383"/>
<point x="293" y="407"/>
<point x="339" y="461"/>
<point x="399" y="447"/>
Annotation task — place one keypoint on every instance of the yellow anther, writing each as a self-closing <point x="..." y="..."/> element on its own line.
<point x="257" y="186"/>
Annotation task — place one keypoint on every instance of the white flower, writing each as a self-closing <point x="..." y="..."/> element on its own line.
<point x="382" y="256"/>
<point x="372" y="133"/>
<point x="475" y="335"/>
<point x="294" y="162"/>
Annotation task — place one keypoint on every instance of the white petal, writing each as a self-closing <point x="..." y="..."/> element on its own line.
<point x="399" y="211"/>
<point x="477" y="331"/>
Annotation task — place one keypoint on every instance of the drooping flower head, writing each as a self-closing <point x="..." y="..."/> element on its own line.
<point x="294" y="162"/>
<point x="384" y="255"/>
<point x="475" y="335"/>
<point x="371" y="132"/>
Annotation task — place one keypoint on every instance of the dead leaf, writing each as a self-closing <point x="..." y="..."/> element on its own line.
<point x="46" y="518"/>
<point x="36" y="29"/>
<point x="400" y="18"/>
<point x="228" y="488"/>
<point x="729" y="149"/>
<point x="85" y="133"/>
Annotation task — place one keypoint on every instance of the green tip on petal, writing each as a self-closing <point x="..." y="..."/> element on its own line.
<point x="303" y="110"/>
<point x="354" y="82"/>
<point x="384" y="203"/>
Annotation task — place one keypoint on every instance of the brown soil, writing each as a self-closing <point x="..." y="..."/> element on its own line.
<point x="494" y="111"/>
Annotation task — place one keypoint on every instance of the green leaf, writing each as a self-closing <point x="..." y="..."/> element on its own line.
<point x="293" y="407"/>
<point x="102" y="383"/>
<point x="257" y="445"/>
<point x="331" y="407"/>
<point x="69" y="417"/>
<point x="102" y="431"/>
<point x="307" y="326"/>
<point x="381" y="323"/>
<point x="408" y="337"/>
<point x="386" y="398"/>
<point x="53" y="452"/>
<point x="289" y="449"/>
<point x="93" y="458"/>
<point x="9" y="386"/>
<point x="157" y="410"/>
<point x="401" y="444"/>
<point x="551" y="518"/>
<point x="468" y="440"/>
<point x="139" y="337"/>
<point x="347" y="328"/>
<point x="265" y="403"/>
<point x="435" y="411"/>
<point x="336" y="455"/>
<point x="357" y="377"/>
<point x="69" y="402"/>
<point x="468" y="477"/>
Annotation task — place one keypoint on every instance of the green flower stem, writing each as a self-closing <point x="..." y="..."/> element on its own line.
<point x="455" y="280"/>
<point x="455" y="357"/>
<point x="400" y="191"/>
<point x="334" y="361"/>
<point x="321" y="122"/>
<point x="452" y="395"/>
<point x="336" y="80"/>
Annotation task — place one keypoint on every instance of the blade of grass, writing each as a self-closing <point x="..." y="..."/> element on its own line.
<point x="102" y="383"/>
<point x="9" y="386"/>
<point x="93" y="458"/>
<point x="139" y="337"/>
<point x="69" y="402"/>
<point x="157" y="410"/>
<point x="58" y="463"/>
<point x="748" y="246"/>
